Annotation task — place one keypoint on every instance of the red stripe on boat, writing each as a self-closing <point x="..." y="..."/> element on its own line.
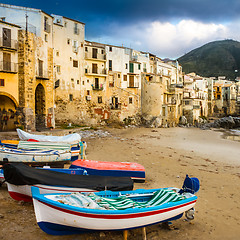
<point x="20" y="197"/>
<point x="118" y="216"/>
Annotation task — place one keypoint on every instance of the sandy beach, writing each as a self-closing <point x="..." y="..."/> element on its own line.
<point x="168" y="154"/>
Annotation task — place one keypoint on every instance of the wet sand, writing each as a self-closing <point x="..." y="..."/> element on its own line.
<point x="168" y="155"/>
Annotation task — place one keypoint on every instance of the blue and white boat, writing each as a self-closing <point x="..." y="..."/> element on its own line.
<point x="20" y="177"/>
<point x="71" y="213"/>
<point x="34" y="157"/>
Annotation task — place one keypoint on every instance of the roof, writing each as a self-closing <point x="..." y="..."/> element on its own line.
<point x="73" y="20"/>
<point x="10" y="24"/>
<point x="23" y="8"/>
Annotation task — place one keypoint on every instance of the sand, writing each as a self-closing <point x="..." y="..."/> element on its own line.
<point x="168" y="155"/>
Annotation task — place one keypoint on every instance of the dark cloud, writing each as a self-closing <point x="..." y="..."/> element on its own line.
<point x="134" y="10"/>
<point x="104" y="18"/>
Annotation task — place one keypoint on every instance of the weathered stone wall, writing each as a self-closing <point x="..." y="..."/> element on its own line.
<point x="30" y="47"/>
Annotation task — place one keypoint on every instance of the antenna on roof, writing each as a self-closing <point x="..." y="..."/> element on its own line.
<point x="26" y="16"/>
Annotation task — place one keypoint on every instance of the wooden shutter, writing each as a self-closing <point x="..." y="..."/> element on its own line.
<point x="6" y="37"/>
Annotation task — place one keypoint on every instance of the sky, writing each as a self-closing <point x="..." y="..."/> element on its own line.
<point x="167" y="28"/>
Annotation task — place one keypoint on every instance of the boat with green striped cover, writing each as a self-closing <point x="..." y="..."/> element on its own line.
<point x="71" y="213"/>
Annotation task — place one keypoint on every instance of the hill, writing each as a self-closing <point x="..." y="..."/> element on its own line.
<point x="219" y="58"/>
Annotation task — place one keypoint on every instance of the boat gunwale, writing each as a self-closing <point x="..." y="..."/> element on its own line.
<point x="131" y="211"/>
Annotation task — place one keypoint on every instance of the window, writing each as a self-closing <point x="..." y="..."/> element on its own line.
<point x="72" y="79"/>
<point x="40" y="68"/>
<point x="110" y="65"/>
<point x="130" y="100"/>
<point x="70" y="97"/>
<point x="131" y="66"/>
<point x="76" y="30"/>
<point x="94" y="68"/>
<point x="6" y="40"/>
<point x="46" y="37"/>
<point x="46" y="25"/>
<point x="75" y="63"/>
<point x="6" y="61"/>
<point x="187" y="102"/>
<point x="78" y="82"/>
<point x="96" y="83"/>
<point x="119" y="75"/>
<point x="57" y="83"/>
<point x="218" y="96"/>
<point x="124" y="77"/>
<point x="88" y="92"/>
<point x="68" y="41"/>
<point x="57" y="53"/>
<point x="94" y="52"/>
<point x="102" y="51"/>
<point x="126" y="66"/>
<point x="83" y="82"/>
<point x="110" y="49"/>
<point x="100" y="99"/>
<point x="139" y="66"/>
<point x="87" y="80"/>
<point x="86" y="49"/>
<point x="58" y="68"/>
<point x="1" y="82"/>
<point x="65" y="24"/>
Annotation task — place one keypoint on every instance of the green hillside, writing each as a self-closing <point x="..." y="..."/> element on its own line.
<point x="219" y="58"/>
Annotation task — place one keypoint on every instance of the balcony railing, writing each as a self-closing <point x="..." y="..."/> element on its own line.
<point x="116" y="106"/>
<point x="98" y="56"/>
<point x="42" y="74"/>
<point x="133" y="85"/>
<point x="89" y="71"/>
<point x="12" y="44"/>
<point x="97" y="87"/>
<point x="10" y="67"/>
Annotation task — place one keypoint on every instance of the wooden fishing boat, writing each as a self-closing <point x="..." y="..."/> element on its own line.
<point x="77" y="171"/>
<point x="35" y="157"/>
<point x="77" y="149"/>
<point x="128" y="169"/>
<point x="73" y="138"/>
<point x="20" y="177"/>
<point x="71" y="213"/>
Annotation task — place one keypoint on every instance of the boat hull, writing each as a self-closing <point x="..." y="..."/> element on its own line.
<point x="59" y="219"/>
<point x="34" y="157"/>
<point x="116" y="169"/>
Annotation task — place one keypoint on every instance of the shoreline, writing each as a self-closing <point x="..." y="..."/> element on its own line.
<point x="167" y="155"/>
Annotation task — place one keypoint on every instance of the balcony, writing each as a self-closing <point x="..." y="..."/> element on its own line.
<point x="98" y="56"/>
<point x="116" y="106"/>
<point x="133" y="85"/>
<point x="95" y="72"/>
<point x="9" y="44"/>
<point x="8" y="67"/>
<point x="97" y="87"/>
<point x="42" y="74"/>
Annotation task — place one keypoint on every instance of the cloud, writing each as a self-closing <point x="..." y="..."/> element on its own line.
<point x="167" y="39"/>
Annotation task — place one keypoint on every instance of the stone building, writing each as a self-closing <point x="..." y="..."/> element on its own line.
<point x="69" y="80"/>
<point x="195" y="98"/>
<point x="162" y="92"/>
<point x="35" y="60"/>
<point x="9" y="95"/>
